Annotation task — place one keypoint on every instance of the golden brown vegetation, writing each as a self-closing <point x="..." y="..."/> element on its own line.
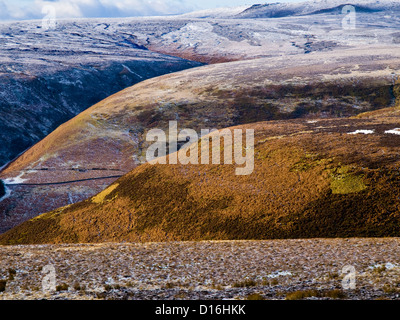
<point x="310" y="180"/>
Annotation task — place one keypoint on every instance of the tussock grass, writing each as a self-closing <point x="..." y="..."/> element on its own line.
<point x="11" y="274"/>
<point x="245" y="284"/>
<point x="62" y="287"/>
<point x="304" y="294"/>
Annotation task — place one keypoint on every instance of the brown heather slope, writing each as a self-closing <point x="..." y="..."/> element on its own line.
<point x="311" y="179"/>
<point x="88" y="153"/>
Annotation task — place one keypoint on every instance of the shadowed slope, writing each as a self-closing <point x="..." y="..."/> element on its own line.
<point x="48" y="76"/>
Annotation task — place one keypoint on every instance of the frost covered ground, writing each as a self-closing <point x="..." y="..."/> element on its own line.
<point x="203" y="270"/>
<point x="46" y="78"/>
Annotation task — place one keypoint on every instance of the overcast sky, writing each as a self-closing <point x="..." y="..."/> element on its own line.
<point x="37" y="9"/>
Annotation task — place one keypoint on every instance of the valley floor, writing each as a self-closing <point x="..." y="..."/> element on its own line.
<point x="272" y="269"/>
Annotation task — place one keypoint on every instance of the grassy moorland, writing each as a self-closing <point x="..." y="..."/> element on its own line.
<point x="311" y="179"/>
<point x="203" y="270"/>
<point x="85" y="155"/>
<point x="2" y="189"/>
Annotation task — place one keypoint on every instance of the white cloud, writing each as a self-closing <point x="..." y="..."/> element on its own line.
<point x="3" y="10"/>
<point x="14" y="10"/>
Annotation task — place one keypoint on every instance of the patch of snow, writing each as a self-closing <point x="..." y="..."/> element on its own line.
<point x="66" y="82"/>
<point x="362" y="131"/>
<point x="387" y="265"/>
<point x="390" y="266"/>
<point x="279" y="273"/>
<point x="70" y="198"/>
<point x="394" y="131"/>
<point x="16" y="180"/>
